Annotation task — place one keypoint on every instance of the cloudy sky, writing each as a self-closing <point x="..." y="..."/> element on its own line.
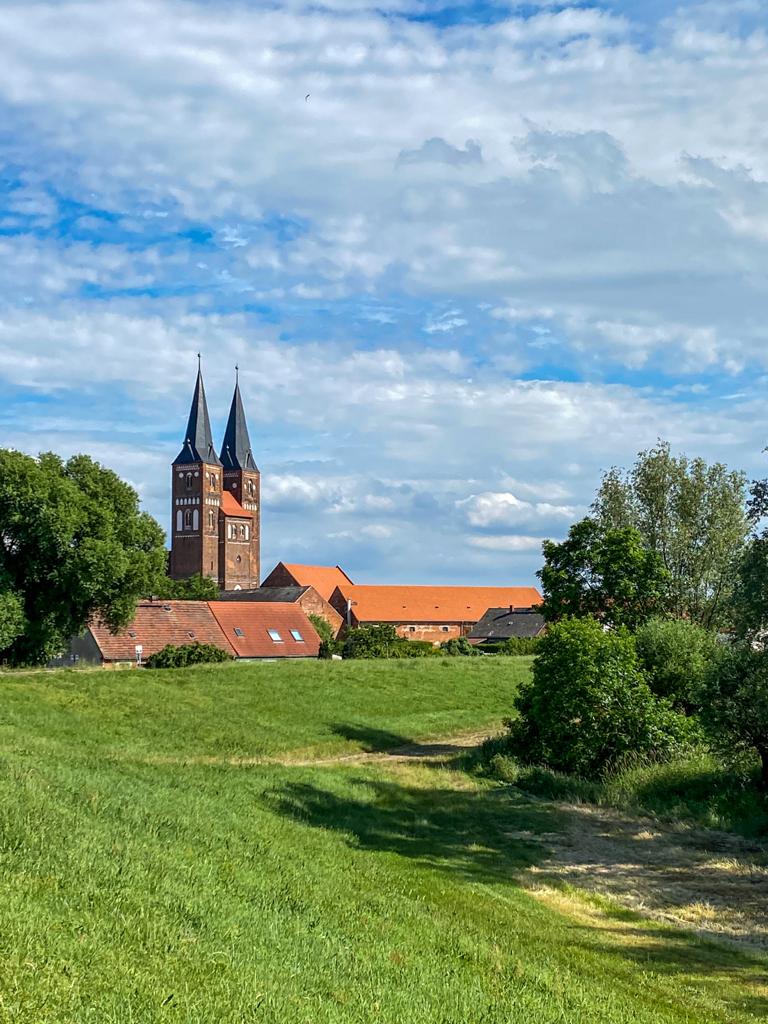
<point x="499" y="248"/>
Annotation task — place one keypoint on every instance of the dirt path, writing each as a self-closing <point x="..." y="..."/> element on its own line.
<point x="428" y="751"/>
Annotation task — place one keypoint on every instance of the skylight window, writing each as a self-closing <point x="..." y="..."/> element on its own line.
<point x="297" y="636"/>
<point x="275" y="636"/>
<point x="238" y="631"/>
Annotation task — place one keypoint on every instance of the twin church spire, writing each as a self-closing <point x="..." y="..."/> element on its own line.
<point x="236" y="451"/>
<point x="216" y="506"/>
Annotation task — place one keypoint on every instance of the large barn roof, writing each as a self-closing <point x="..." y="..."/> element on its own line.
<point x="324" y="578"/>
<point x="432" y="604"/>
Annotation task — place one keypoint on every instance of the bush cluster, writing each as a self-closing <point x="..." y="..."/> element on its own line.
<point x="187" y="654"/>
<point x="382" y="641"/>
<point x="589" y="705"/>
<point x="514" y="646"/>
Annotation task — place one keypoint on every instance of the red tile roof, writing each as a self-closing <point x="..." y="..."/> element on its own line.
<point x="255" y="619"/>
<point x="158" y="623"/>
<point x="230" y="506"/>
<point x="324" y="578"/>
<point x="432" y="604"/>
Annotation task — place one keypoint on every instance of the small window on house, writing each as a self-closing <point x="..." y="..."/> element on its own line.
<point x="275" y="636"/>
<point x="411" y="629"/>
<point x="445" y="628"/>
<point x="238" y="631"/>
<point x="132" y="634"/>
<point x="190" y="634"/>
<point x="297" y="636"/>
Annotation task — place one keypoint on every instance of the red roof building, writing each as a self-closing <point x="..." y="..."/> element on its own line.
<point x="324" y="578"/>
<point x="266" y="629"/>
<point x="427" y="613"/>
<point x="155" y="625"/>
<point x="242" y="629"/>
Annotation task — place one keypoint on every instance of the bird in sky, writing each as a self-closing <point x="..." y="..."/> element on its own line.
<point x="307" y="96"/>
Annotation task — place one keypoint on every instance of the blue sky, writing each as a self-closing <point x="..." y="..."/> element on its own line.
<point x="500" y="248"/>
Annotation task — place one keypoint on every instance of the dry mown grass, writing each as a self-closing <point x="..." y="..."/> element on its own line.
<point x="711" y="882"/>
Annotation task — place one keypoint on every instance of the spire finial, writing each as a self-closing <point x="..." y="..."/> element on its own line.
<point x="199" y="362"/>
<point x="237" y="374"/>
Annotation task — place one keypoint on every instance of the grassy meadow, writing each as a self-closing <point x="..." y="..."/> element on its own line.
<point x="152" y="870"/>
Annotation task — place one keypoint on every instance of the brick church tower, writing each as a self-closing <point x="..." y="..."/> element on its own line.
<point x="215" y="530"/>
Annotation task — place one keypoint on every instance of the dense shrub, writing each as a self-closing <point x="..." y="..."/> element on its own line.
<point x="514" y="646"/>
<point x="187" y="654"/>
<point x="415" y="649"/>
<point x="675" y="655"/>
<point x="588" y="704"/>
<point x="458" y="646"/>
<point x="734" y="701"/>
<point x="329" y="645"/>
<point x="382" y="641"/>
<point x="375" y="641"/>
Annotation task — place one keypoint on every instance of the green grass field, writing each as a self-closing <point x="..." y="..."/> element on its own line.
<point x="148" y="875"/>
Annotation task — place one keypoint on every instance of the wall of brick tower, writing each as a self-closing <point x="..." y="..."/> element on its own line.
<point x="195" y="547"/>
<point x="246" y="487"/>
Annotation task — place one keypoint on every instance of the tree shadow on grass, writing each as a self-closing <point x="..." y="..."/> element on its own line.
<point x="464" y="832"/>
<point x="370" y="740"/>
<point x="380" y="741"/>
<point x="481" y="835"/>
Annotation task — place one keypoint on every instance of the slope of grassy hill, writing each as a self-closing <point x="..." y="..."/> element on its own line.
<point x="148" y="875"/>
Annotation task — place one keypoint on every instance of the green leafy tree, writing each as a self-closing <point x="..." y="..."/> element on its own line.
<point x="459" y="646"/>
<point x="195" y="588"/>
<point x="372" y="641"/>
<point x="187" y="654"/>
<point x="588" y="704"/>
<point x="692" y="515"/>
<point x="675" y="655"/>
<point x="73" y="544"/>
<point x="604" y="573"/>
<point x="734" y="701"/>
<point x="12" y="620"/>
<point x="329" y="645"/>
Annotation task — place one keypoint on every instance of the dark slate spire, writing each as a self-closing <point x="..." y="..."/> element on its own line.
<point x="236" y="450"/>
<point x="198" y="440"/>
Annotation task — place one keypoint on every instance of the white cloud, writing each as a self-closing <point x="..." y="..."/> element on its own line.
<point x="501" y="508"/>
<point x="508" y="542"/>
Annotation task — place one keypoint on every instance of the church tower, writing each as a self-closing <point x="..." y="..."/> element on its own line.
<point x="240" y="517"/>
<point x="196" y="496"/>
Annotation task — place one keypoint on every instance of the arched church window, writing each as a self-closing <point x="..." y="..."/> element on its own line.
<point x="195" y="520"/>
<point x="188" y="519"/>
<point x="211" y="519"/>
<point x="188" y="481"/>
<point x="179" y="521"/>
